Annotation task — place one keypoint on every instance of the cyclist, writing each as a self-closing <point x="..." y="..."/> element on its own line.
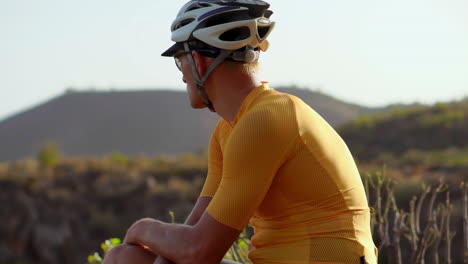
<point x="273" y="160"/>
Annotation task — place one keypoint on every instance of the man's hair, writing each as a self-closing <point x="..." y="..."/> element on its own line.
<point x="244" y="67"/>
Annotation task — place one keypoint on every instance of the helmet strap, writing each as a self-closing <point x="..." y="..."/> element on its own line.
<point x="200" y="81"/>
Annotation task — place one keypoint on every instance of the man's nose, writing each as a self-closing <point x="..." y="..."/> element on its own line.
<point x="183" y="79"/>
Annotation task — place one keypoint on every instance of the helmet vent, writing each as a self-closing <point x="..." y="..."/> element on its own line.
<point x="183" y="23"/>
<point x="235" y="34"/>
<point x="203" y="4"/>
<point x="193" y="7"/>
<point x="198" y="6"/>
<point x="263" y="31"/>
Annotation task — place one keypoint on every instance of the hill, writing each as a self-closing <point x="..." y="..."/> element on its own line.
<point x="148" y="122"/>
<point x="430" y="132"/>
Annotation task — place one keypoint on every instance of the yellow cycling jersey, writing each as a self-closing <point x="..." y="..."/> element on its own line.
<point x="282" y="167"/>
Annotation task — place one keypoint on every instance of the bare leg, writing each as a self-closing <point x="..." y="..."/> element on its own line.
<point x="129" y="254"/>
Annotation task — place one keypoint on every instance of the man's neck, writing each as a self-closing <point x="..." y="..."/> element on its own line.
<point x="228" y="93"/>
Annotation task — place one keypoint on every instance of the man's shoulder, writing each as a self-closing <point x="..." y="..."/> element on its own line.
<point x="271" y="110"/>
<point x="283" y="109"/>
<point x="277" y="103"/>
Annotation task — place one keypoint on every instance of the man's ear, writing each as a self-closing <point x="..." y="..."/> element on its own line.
<point x="201" y="62"/>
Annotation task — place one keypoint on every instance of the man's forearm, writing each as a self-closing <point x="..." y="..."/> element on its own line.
<point x="173" y="241"/>
<point x="198" y="210"/>
<point x="162" y="239"/>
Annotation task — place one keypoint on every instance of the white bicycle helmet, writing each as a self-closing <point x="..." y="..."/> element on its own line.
<point x="223" y="29"/>
<point x="223" y="24"/>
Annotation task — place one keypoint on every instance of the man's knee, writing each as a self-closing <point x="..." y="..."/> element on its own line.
<point x="125" y="253"/>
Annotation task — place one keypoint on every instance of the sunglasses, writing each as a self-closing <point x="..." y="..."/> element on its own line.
<point x="176" y="56"/>
<point x="204" y="52"/>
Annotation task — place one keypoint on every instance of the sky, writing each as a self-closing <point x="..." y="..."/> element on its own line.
<point x="370" y="52"/>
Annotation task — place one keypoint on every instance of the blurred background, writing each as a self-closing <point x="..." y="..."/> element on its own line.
<point x="96" y="130"/>
<point x="367" y="52"/>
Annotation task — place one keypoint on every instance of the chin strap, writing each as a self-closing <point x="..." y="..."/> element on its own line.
<point x="200" y="81"/>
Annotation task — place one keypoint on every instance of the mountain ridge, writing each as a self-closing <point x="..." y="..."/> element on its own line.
<point x="148" y="122"/>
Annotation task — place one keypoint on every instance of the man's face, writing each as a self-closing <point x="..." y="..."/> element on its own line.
<point x="189" y="79"/>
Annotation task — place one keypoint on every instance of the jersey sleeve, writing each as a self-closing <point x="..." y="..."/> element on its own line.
<point x="253" y="153"/>
<point x="215" y="164"/>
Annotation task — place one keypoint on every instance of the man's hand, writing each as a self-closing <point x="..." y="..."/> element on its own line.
<point x="140" y="232"/>
<point x="201" y="243"/>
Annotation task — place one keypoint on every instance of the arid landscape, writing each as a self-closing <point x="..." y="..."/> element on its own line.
<point x="60" y="201"/>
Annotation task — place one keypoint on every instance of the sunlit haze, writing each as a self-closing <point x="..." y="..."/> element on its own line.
<point x="367" y="52"/>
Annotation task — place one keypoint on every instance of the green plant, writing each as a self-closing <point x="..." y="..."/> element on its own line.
<point x="239" y="251"/>
<point x="119" y="158"/>
<point x="107" y="245"/>
<point x="365" y="122"/>
<point x="49" y="155"/>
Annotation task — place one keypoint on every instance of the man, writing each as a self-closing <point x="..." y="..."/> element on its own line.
<point x="273" y="161"/>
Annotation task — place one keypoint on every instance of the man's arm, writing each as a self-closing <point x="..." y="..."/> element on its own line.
<point x="198" y="210"/>
<point x="206" y="242"/>
<point x="195" y="215"/>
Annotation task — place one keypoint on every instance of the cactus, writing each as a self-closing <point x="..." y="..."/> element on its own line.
<point x="389" y="223"/>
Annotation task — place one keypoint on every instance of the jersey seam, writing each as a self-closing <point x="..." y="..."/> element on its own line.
<point x="298" y="134"/>
<point x="325" y="169"/>
<point x="313" y="152"/>
<point x="277" y="163"/>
